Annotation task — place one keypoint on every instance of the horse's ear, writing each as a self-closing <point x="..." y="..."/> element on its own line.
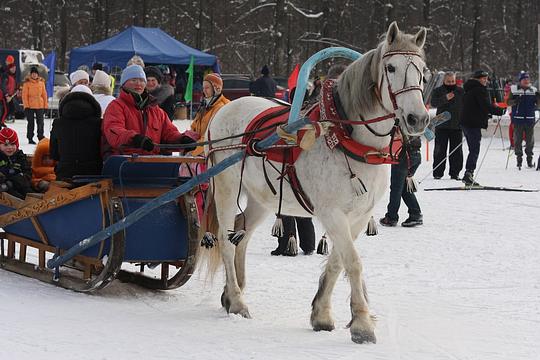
<point x="392" y="33"/>
<point x="420" y="37"/>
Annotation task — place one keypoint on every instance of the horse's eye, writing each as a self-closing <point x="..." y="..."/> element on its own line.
<point x="391" y="68"/>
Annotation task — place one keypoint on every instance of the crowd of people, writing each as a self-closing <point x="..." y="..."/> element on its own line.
<point x="470" y="108"/>
<point x="93" y="125"/>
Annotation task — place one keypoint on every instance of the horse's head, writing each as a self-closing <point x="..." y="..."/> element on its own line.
<point x="401" y="78"/>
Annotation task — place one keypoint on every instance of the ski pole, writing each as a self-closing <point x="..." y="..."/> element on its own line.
<point x="508" y="157"/>
<point x="483" y="158"/>
<point x="442" y="161"/>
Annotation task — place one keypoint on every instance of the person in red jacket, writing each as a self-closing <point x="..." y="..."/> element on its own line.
<point x="134" y="123"/>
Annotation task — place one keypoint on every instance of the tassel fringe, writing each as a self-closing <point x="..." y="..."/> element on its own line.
<point x="412" y="186"/>
<point x="236" y="236"/>
<point x="322" y="247"/>
<point x="292" y="247"/>
<point x="372" y="227"/>
<point x="277" y="229"/>
<point x="209" y="240"/>
<point x="358" y="186"/>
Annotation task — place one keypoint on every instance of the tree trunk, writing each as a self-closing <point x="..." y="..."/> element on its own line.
<point x="63" y="35"/>
<point x="477" y="27"/>
<point x="279" y="14"/>
<point x="426" y="12"/>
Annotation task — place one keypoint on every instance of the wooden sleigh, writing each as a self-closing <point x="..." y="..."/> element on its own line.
<point x="45" y="225"/>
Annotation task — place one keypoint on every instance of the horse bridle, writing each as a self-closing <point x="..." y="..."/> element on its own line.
<point x="392" y="94"/>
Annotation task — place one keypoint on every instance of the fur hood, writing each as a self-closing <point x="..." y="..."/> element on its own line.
<point x="79" y="105"/>
<point x="162" y="93"/>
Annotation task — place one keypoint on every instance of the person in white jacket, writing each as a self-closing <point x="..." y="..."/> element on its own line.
<point x="101" y="88"/>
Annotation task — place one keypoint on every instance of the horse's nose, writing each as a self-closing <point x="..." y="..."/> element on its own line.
<point x="412" y="120"/>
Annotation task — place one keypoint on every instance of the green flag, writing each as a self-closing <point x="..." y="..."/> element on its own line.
<point x="189" y="88"/>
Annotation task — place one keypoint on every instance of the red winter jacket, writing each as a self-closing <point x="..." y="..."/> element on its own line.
<point x="123" y="120"/>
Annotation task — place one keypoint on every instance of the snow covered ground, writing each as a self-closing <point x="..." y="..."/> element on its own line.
<point x="466" y="285"/>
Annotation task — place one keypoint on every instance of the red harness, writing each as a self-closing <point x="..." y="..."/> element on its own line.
<point x="338" y="137"/>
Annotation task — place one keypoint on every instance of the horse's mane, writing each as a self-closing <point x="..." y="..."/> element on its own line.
<point x="357" y="84"/>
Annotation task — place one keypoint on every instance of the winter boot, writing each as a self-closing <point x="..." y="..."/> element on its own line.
<point x="386" y="221"/>
<point x="413" y="221"/>
<point x="468" y="179"/>
<point x="530" y="162"/>
<point x="519" y="160"/>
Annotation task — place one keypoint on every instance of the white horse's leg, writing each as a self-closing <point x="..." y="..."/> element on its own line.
<point x="339" y="230"/>
<point x="225" y="198"/>
<point x="321" y="307"/>
<point x="254" y="214"/>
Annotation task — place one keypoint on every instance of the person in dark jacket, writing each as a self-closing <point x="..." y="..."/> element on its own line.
<point x="401" y="186"/>
<point x="524" y="99"/>
<point x="76" y="135"/>
<point x="163" y="92"/>
<point x="448" y="97"/>
<point x="477" y="109"/>
<point x="264" y="86"/>
<point x="15" y="171"/>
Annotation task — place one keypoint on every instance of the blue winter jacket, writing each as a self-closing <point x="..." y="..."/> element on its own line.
<point x="524" y="103"/>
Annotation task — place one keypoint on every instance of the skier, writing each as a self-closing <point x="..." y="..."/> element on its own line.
<point x="476" y="111"/>
<point x="524" y="99"/>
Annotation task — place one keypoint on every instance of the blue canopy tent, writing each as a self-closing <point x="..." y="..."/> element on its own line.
<point x="152" y="44"/>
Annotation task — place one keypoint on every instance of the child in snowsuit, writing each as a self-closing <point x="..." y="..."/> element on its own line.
<point x="15" y="172"/>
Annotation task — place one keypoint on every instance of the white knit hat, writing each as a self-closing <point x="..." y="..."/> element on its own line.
<point x="101" y="78"/>
<point x="78" y="75"/>
<point x="81" y="88"/>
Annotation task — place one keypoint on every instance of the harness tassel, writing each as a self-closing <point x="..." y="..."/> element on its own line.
<point x="292" y="247"/>
<point x="278" y="229"/>
<point x="208" y="240"/>
<point x="236" y="236"/>
<point x="358" y="185"/>
<point x="322" y="247"/>
<point x="372" y="227"/>
<point x="412" y="186"/>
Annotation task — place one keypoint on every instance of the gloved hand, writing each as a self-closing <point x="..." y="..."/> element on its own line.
<point x="143" y="142"/>
<point x="188" y="137"/>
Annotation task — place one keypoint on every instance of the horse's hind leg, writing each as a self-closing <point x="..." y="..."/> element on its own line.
<point x="321" y="307"/>
<point x="225" y="198"/>
<point x="254" y="214"/>
<point x="362" y="325"/>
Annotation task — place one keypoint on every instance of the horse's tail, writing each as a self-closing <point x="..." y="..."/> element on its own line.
<point x="210" y="255"/>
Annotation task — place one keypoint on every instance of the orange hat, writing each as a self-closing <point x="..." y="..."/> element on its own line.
<point x="10" y="60"/>
<point x="9" y="136"/>
<point x="215" y="80"/>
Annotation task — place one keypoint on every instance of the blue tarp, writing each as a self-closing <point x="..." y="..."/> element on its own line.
<point x="50" y="63"/>
<point x="152" y="44"/>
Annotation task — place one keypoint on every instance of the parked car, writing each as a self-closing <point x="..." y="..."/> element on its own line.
<point x="237" y="85"/>
<point x="24" y="59"/>
<point x="61" y="87"/>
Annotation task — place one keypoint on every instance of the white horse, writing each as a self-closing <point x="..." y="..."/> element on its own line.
<point x="386" y="80"/>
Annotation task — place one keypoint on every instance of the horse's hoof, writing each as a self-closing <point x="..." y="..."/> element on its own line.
<point x="323" y="327"/>
<point x="245" y="314"/>
<point x="242" y="312"/>
<point x="364" y="337"/>
<point x="225" y="301"/>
